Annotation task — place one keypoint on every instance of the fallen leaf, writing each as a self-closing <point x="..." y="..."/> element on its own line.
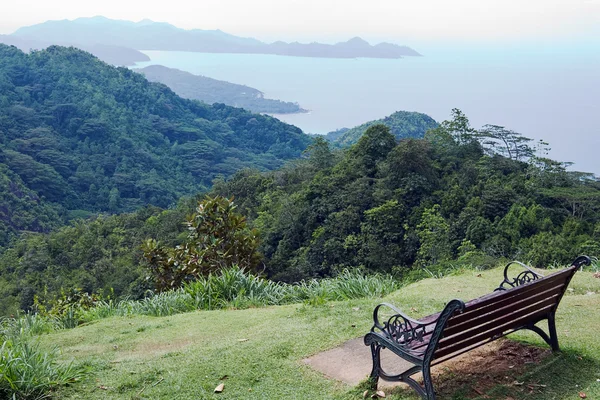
<point x="597" y="275"/>
<point x="242" y="340"/>
<point x="355" y="308"/>
<point x="582" y="395"/>
<point x="103" y="387"/>
<point x="220" y="388"/>
<point x="365" y="394"/>
<point x="380" y="393"/>
<point x="479" y="275"/>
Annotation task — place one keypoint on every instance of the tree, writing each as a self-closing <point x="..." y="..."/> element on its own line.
<point x="508" y="143"/>
<point x="373" y="147"/>
<point x="217" y="238"/>
<point x="434" y="235"/>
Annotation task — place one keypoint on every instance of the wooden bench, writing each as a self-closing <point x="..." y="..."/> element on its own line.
<point x="518" y="303"/>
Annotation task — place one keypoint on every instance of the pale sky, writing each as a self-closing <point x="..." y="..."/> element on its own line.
<point x="328" y="20"/>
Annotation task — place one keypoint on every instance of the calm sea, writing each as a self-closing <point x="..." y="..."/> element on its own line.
<point x="544" y="93"/>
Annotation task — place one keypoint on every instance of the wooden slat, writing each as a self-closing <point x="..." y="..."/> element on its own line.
<point x="486" y="322"/>
<point x="493" y="311"/>
<point x="503" y="297"/>
<point x="499" y="330"/>
<point x="503" y="308"/>
<point x="501" y="320"/>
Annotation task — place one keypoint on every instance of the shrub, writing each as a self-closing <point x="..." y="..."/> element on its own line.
<point x="217" y="239"/>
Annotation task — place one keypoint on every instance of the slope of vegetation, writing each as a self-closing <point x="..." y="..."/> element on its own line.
<point x="78" y="136"/>
<point x="389" y="206"/>
<point x="257" y="352"/>
<point x="208" y="90"/>
<point x="381" y="206"/>
<point x="403" y="124"/>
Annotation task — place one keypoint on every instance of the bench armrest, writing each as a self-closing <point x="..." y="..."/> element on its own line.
<point x="399" y="328"/>
<point x="581" y="261"/>
<point x="525" y="276"/>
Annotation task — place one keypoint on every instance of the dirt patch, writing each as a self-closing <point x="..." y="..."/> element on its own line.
<point x="498" y="363"/>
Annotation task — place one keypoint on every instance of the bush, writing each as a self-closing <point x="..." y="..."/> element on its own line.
<point x="217" y="239"/>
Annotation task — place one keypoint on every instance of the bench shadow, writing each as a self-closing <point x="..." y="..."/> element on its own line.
<point x="507" y="369"/>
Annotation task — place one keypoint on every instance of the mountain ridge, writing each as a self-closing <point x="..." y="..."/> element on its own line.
<point x="162" y="36"/>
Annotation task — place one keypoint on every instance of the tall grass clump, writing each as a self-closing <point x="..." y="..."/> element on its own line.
<point x="26" y="370"/>
<point x="235" y="288"/>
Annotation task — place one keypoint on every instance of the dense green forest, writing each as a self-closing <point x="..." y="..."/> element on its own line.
<point x="403" y="124"/>
<point x="78" y="137"/>
<point x="457" y="195"/>
<point x="387" y="205"/>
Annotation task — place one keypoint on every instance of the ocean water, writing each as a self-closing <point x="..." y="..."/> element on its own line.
<point x="550" y="93"/>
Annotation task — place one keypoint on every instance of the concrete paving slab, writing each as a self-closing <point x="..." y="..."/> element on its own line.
<point x="351" y="363"/>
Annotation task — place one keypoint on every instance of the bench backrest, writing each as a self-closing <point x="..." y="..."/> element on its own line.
<point x="498" y="313"/>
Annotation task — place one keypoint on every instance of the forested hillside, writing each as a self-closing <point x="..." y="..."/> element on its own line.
<point x="390" y="206"/>
<point x="78" y="136"/>
<point x="208" y="90"/>
<point x="458" y="195"/>
<point x="403" y="124"/>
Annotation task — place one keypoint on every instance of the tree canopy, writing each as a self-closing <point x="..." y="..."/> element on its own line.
<point x="78" y="136"/>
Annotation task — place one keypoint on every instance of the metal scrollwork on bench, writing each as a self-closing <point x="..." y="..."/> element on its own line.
<point x="403" y="331"/>
<point x="522" y="278"/>
<point x="399" y="328"/>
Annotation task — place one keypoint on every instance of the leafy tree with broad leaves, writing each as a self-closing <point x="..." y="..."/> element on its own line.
<point x="217" y="238"/>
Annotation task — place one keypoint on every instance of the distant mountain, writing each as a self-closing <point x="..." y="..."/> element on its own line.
<point x="78" y="136"/>
<point x="111" y="54"/>
<point x="150" y="35"/>
<point x="403" y="124"/>
<point x="212" y="91"/>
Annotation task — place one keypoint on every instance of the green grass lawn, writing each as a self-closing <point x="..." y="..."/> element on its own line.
<point x="257" y="353"/>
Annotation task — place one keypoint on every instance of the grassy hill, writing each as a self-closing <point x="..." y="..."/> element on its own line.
<point x="257" y="352"/>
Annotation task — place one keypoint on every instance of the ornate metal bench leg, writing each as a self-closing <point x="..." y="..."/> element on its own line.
<point x="430" y="392"/>
<point x="376" y="354"/>
<point x="553" y="335"/>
